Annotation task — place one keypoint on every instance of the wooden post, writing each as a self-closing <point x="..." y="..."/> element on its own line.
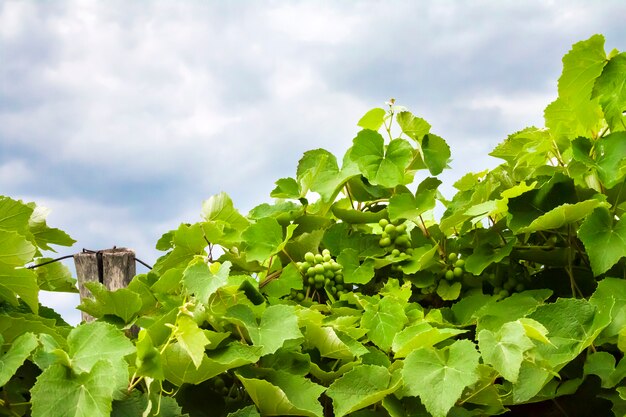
<point x="114" y="268"/>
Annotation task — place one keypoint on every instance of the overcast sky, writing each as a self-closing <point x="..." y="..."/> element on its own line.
<point x="122" y="117"/>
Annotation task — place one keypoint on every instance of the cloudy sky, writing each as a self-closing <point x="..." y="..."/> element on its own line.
<point x="122" y="117"/>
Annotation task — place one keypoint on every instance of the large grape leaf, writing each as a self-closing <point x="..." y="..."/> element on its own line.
<point x="122" y="303"/>
<point x="58" y="392"/>
<point x="355" y="272"/>
<point x="318" y="171"/>
<point x="220" y="208"/>
<point x="485" y="254"/>
<point x="55" y="277"/>
<point x="610" y="300"/>
<point x="409" y="206"/>
<point x="562" y="215"/>
<point x="420" y="335"/>
<point x="280" y="393"/>
<point x="412" y="126"/>
<point x="610" y="89"/>
<point x="249" y="411"/>
<point x="15" y="250"/>
<point x="20" y="282"/>
<point x="373" y="119"/>
<point x="20" y="350"/>
<point x="265" y="238"/>
<point x="604" y="240"/>
<point x="383" y="320"/>
<point x="287" y="188"/>
<point x="381" y="166"/>
<point x="505" y="348"/>
<point x="360" y="387"/>
<point x="288" y="279"/>
<point x="602" y="364"/>
<point x="148" y="359"/>
<point x="178" y="367"/>
<point x="610" y="155"/>
<point x="200" y="280"/>
<point x="14" y="215"/>
<point x="189" y="241"/>
<point x="190" y="338"/>
<point x="439" y="376"/>
<point x="278" y="324"/>
<point x="436" y="153"/>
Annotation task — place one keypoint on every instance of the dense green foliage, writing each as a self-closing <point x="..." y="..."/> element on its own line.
<point x="345" y="296"/>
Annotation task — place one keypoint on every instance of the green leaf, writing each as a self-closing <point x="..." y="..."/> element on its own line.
<point x="287" y="188"/>
<point x="190" y="338"/>
<point x="361" y="387"/>
<point x="122" y="303"/>
<point x="148" y="360"/>
<point x="55" y="277"/>
<point x="19" y="282"/>
<point x="373" y="119"/>
<point x="407" y="206"/>
<point x="265" y="238"/>
<point x="420" y="335"/>
<point x="413" y="127"/>
<point x="604" y="240"/>
<point x="318" y="171"/>
<point x="602" y="364"/>
<point x="15" y="250"/>
<point x="439" y="376"/>
<point x="288" y="279"/>
<point x="199" y="279"/>
<point x="278" y="324"/>
<point x="355" y="272"/>
<point x="189" y="241"/>
<point x="14" y="215"/>
<point x="504" y="349"/>
<point x="20" y="350"/>
<point x="283" y="394"/>
<point x="610" y="89"/>
<point x="448" y="291"/>
<point x="381" y="166"/>
<point x="95" y="341"/>
<point x="179" y="368"/>
<point x="610" y="155"/>
<point x="330" y="345"/>
<point x="220" y="208"/>
<point x="485" y="254"/>
<point x="609" y="299"/>
<point x="383" y="320"/>
<point x="59" y="392"/>
<point x="249" y="411"/>
<point x="562" y="215"/>
<point x="436" y="153"/>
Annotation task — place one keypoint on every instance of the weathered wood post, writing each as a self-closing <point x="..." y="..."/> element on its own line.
<point x="114" y="268"/>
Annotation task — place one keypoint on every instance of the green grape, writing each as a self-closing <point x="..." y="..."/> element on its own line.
<point x="449" y="275"/>
<point x="319" y="269"/>
<point x="319" y="278"/>
<point x="384" y="234"/>
<point x="390" y="229"/>
<point x="339" y="287"/>
<point x="384" y="242"/>
<point x="409" y="251"/>
<point x="339" y="278"/>
<point x="327" y="281"/>
<point x="319" y="258"/>
<point x="325" y="252"/>
<point x="311" y="281"/>
<point x="395" y="252"/>
<point x="401" y="228"/>
<point x="300" y="297"/>
<point x="452" y="256"/>
<point x="383" y="222"/>
<point x="294" y="293"/>
<point x="329" y="274"/>
<point x="340" y="293"/>
<point x="460" y="263"/>
<point x="333" y="290"/>
<point x="327" y="265"/>
<point x="309" y="257"/>
<point x="509" y="284"/>
<point x="503" y="293"/>
<point x="458" y="272"/>
<point x="520" y="287"/>
<point x="327" y="257"/>
<point x="319" y="285"/>
<point x="402" y="241"/>
<point x="335" y="266"/>
<point x="219" y="382"/>
<point x="311" y="271"/>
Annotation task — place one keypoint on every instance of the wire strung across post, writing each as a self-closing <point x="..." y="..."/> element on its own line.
<point x="84" y="251"/>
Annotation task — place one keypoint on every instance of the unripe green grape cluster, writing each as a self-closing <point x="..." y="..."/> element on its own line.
<point x="320" y="271"/>
<point x="227" y="388"/>
<point x="455" y="267"/>
<point x="504" y="286"/>
<point x="395" y="237"/>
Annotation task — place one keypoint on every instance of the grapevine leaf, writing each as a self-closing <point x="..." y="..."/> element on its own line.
<point x="19" y="282"/>
<point x="436" y="153"/>
<point x="249" y="411"/>
<point x="200" y="280"/>
<point x="58" y="392"/>
<point x="610" y="155"/>
<point x="361" y="387"/>
<point x="381" y="166"/>
<point x="373" y="119"/>
<point x="95" y="341"/>
<point x="448" y="291"/>
<point x="604" y="240"/>
<point x="14" y="215"/>
<point x="191" y="338"/>
<point x="439" y="377"/>
<point x="383" y="320"/>
<point x="419" y="336"/>
<point x="328" y="343"/>
<point x="610" y="300"/>
<point x="602" y="364"/>
<point x="283" y="394"/>
<point x="189" y="241"/>
<point x="220" y="208"/>
<point x="265" y="238"/>
<point x="179" y="368"/>
<point x="413" y="127"/>
<point x="535" y="330"/>
<point x="504" y="349"/>
<point x="55" y="277"/>
<point x="562" y="215"/>
<point x="318" y="171"/>
<point x="355" y="272"/>
<point x="15" y="250"/>
<point x="287" y="188"/>
<point x="610" y="89"/>
<point x="20" y="350"/>
<point x="288" y="279"/>
<point x="148" y="360"/>
<point x="485" y="254"/>
<point x="122" y="303"/>
<point x="408" y="206"/>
